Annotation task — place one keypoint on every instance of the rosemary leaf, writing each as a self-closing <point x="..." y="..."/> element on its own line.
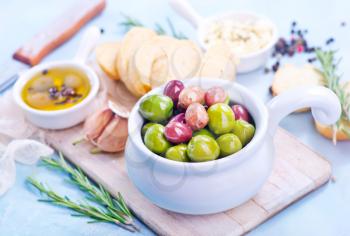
<point x="96" y="194"/>
<point x="130" y="22"/>
<point x="159" y="29"/>
<point x="329" y="65"/>
<point x="108" y="209"/>
<point x="175" y="34"/>
<point x="82" y="209"/>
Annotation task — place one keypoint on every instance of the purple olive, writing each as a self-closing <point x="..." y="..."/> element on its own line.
<point x="178" y="118"/>
<point x="241" y="113"/>
<point x="215" y="95"/>
<point x="173" y="88"/>
<point x="177" y="132"/>
<point x="196" y="116"/>
<point x="191" y="95"/>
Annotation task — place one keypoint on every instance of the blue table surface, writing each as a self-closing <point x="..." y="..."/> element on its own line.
<point x="323" y="212"/>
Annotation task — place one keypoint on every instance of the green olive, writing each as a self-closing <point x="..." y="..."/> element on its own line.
<point x="177" y="153"/>
<point x="221" y="118"/>
<point x="229" y="144"/>
<point x="203" y="148"/>
<point x="39" y="100"/>
<point x="73" y="81"/>
<point x="42" y="84"/>
<point x="145" y="128"/>
<point x="155" y="140"/>
<point x="203" y="132"/>
<point x="156" y="108"/>
<point x="244" y="131"/>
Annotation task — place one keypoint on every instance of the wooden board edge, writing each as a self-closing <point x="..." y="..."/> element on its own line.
<point x="286" y="132"/>
<point x="318" y="184"/>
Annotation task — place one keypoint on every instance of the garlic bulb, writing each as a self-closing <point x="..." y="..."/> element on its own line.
<point x="95" y="124"/>
<point x="107" y="131"/>
<point x="114" y="136"/>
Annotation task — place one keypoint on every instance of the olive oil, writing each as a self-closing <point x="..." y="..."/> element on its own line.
<point x="56" y="89"/>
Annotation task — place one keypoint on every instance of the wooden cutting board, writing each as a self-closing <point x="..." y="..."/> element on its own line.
<point x="297" y="171"/>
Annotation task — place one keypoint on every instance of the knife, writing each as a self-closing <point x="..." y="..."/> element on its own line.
<point x="55" y="34"/>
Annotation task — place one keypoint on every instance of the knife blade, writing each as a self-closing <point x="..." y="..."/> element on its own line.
<point x="9" y="73"/>
<point x="55" y="34"/>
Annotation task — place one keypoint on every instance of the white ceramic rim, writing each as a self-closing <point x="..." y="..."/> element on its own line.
<point x="204" y="24"/>
<point x="235" y="158"/>
<point x="91" y="75"/>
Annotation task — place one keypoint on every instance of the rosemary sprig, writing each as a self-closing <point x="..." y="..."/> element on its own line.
<point x="178" y="35"/>
<point x="98" y="194"/>
<point x="130" y="22"/>
<point x="83" y="209"/>
<point x="329" y="66"/>
<point x="114" y="208"/>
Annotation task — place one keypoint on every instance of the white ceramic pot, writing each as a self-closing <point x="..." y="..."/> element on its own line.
<point x="69" y="117"/>
<point x="247" y="62"/>
<point x="216" y="186"/>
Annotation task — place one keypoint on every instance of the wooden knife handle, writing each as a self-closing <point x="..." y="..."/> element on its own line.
<point x="59" y="31"/>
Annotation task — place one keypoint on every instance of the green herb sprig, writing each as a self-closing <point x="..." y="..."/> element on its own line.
<point x="329" y="66"/>
<point x="113" y="210"/>
<point x="129" y="22"/>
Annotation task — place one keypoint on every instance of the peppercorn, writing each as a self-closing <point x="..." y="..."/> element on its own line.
<point x="290" y="52"/>
<point x="295" y="43"/>
<point x="300" y="48"/>
<point x="53" y="93"/>
<point x="275" y="66"/>
<point x="300" y="33"/>
<point x="67" y="91"/>
<point x="329" y="41"/>
<point x="311" y="60"/>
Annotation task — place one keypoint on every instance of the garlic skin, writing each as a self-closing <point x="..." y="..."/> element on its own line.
<point x="96" y="123"/>
<point x="114" y="136"/>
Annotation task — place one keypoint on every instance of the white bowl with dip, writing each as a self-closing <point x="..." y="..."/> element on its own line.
<point x="214" y="186"/>
<point x="68" y="117"/>
<point x="252" y="49"/>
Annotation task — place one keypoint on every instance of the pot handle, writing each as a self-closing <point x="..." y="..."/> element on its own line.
<point x="184" y="9"/>
<point x="325" y="105"/>
<point x="87" y="43"/>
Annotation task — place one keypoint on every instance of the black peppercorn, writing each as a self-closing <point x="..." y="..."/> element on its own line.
<point x="329" y="41"/>
<point x="311" y="60"/>
<point x="275" y="66"/>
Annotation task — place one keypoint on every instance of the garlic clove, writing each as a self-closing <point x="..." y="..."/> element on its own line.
<point x="114" y="136"/>
<point x="121" y="111"/>
<point x="96" y="123"/>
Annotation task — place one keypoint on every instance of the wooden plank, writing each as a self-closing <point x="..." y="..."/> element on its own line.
<point x="313" y="166"/>
<point x="297" y="171"/>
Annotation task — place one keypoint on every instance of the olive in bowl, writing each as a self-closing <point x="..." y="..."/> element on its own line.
<point x="206" y="114"/>
<point x="217" y="185"/>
